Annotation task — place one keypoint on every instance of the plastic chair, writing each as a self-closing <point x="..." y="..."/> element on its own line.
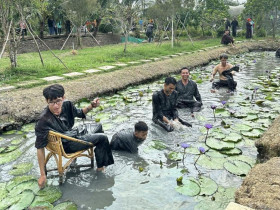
<point x="56" y="149"/>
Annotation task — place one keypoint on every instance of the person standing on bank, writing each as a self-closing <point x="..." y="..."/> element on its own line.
<point x="234" y="25"/>
<point x="59" y="116"/>
<point x="164" y="101"/>
<point x="149" y="31"/>
<point x="248" y="29"/>
<point x="128" y="139"/>
<point x="187" y="91"/>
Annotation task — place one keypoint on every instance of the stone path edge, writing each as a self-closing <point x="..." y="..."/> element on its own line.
<point x="24" y="105"/>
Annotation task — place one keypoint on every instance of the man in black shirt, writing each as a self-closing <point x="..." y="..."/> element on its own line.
<point x="234" y="25"/>
<point x="129" y="140"/>
<point x="164" y="106"/>
<point x="187" y="90"/>
<point x="227" y="39"/>
<point x="59" y="116"/>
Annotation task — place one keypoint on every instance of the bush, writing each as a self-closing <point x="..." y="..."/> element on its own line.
<point x="261" y="32"/>
<point x="241" y="33"/>
<point x="220" y="32"/>
<point x="105" y="28"/>
<point x="194" y="32"/>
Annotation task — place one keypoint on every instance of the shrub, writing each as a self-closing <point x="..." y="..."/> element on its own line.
<point x="260" y="32"/>
<point x="105" y="28"/>
<point x="241" y="33"/>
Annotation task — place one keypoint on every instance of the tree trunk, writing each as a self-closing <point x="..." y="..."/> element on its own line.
<point x="41" y="35"/>
<point x="13" y="49"/>
<point x="79" y="39"/>
<point x="172" y="33"/>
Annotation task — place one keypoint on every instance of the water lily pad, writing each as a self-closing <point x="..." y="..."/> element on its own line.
<point x="217" y="134"/>
<point x="189" y="188"/>
<point x="66" y="206"/>
<point x="234" y="151"/>
<point x="214" y="153"/>
<point x="192" y="150"/>
<point x="107" y="126"/>
<point x="221" y="112"/>
<point x="1" y="139"/>
<point x="30" y="185"/>
<point x="21" y="168"/>
<point x="252" y="117"/>
<point x="243" y="158"/>
<point x="41" y="205"/>
<point x="17" y="180"/>
<point x="9" y="157"/>
<point x="211" y="162"/>
<point x="237" y="167"/>
<point x="16" y="141"/>
<point x="242" y="127"/>
<point x="255" y="133"/>
<point x="48" y="194"/>
<point x="103" y="116"/>
<point x="3" y="191"/>
<point x="207" y="186"/>
<point x="120" y="119"/>
<point x="175" y="156"/>
<point x="219" y="145"/>
<point x="8" y="201"/>
<point x="239" y="115"/>
<point x="157" y="144"/>
<point x="25" y="200"/>
<point x="10" y="132"/>
<point x="29" y="127"/>
<point x="222" y="198"/>
<point x="233" y="137"/>
<point x="259" y="102"/>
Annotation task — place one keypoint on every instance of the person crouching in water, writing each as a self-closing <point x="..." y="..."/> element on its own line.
<point x="187" y="91"/>
<point x="226" y="80"/>
<point x="129" y="140"/>
<point x="227" y="39"/>
<point x="164" y="101"/>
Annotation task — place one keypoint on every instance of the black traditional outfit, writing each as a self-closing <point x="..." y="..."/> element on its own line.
<point x="227" y="39"/>
<point x="64" y="124"/>
<point x="125" y="140"/>
<point x="165" y="106"/>
<point x="187" y="93"/>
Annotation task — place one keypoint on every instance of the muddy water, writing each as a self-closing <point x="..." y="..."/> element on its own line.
<point x="123" y="186"/>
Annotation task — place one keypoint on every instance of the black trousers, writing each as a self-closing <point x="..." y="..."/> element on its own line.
<point x="102" y="151"/>
<point x="230" y="83"/>
<point x="195" y="106"/>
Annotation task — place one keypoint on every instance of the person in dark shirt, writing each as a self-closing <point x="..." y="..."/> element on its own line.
<point x="164" y="101"/>
<point x="129" y="140"/>
<point x="248" y="29"/>
<point x="277" y="54"/>
<point x="234" y="25"/>
<point x="227" y="39"/>
<point x="187" y="91"/>
<point x="227" y="24"/>
<point x="59" y="116"/>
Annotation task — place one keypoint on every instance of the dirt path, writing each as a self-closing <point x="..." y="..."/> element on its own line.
<point x="22" y="106"/>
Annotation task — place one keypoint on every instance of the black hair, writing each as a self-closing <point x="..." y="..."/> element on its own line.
<point x="184" y="68"/>
<point x="170" y="80"/>
<point x="223" y="56"/>
<point x="53" y="92"/>
<point x="141" y="126"/>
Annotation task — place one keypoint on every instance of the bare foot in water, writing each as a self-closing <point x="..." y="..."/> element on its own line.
<point x="213" y="91"/>
<point x="102" y="169"/>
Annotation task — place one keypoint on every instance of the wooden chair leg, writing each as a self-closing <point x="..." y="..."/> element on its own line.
<point x="60" y="179"/>
<point x="92" y="162"/>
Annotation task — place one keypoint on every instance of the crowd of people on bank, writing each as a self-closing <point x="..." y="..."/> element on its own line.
<point x="59" y="115"/>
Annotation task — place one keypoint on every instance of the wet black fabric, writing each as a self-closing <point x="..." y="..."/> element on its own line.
<point x="187" y="93"/>
<point x="125" y="140"/>
<point x="64" y="124"/>
<point x="230" y="83"/>
<point x="277" y="54"/>
<point x="227" y="73"/>
<point x="164" y="105"/>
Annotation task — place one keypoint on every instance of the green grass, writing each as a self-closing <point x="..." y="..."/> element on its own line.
<point x="30" y="67"/>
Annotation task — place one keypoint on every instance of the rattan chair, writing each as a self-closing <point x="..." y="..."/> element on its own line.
<point x="56" y="149"/>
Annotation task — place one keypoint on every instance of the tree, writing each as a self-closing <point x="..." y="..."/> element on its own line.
<point x="264" y="13"/>
<point x="78" y="12"/>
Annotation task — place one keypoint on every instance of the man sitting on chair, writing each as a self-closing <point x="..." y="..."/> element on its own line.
<point x="59" y="116"/>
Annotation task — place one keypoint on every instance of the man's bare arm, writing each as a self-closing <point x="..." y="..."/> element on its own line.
<point x="41" y="160"/>
<point x="214" y="73"/>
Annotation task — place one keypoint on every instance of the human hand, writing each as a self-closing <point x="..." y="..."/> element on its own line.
<point x="95" y="102"/>
<point x="42" y="181"/>
<point x="211" y="80"/>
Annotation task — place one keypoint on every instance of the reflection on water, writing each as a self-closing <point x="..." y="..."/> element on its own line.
<point x="124" y="186"/>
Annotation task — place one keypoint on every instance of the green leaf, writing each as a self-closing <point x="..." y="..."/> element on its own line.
<point x="239" y="115"/>
<point x="28" y="185"/>
<point x="66" y="206"/>
<point x="157" y="144"/>
<point x="211" y="162"/>
<point x="233" y="137"/>
<point x="255" y="133"/>
<point x="237" y="167"/>
<point x="243" y="158"/>
<point x="189" y="188"/>
<point x="242" y="127"/>
<point x="8" y="201"/>
<point x="25" y="200"/>
<point x="48" y="194"/>
<point x="3" y="191"/>
<point x="252" y="117"/>
<point x="175" y="156"/>
<point x="7" y="149"/>
<point x="41" y="205"/>
<point x="207" y="186"/>
<point x="218" y="144"/>
<point x="234" y="151"/>
<point x="29" y="127"/>
<point x="21" y="168"/>
<point x="9" y="157"/>
<point x="221" y="112"/>
<point x="10" y="132"/>
<point x="17" y="180"/>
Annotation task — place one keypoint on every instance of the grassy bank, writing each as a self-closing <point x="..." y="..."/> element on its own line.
<point x="30" y="67"/>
